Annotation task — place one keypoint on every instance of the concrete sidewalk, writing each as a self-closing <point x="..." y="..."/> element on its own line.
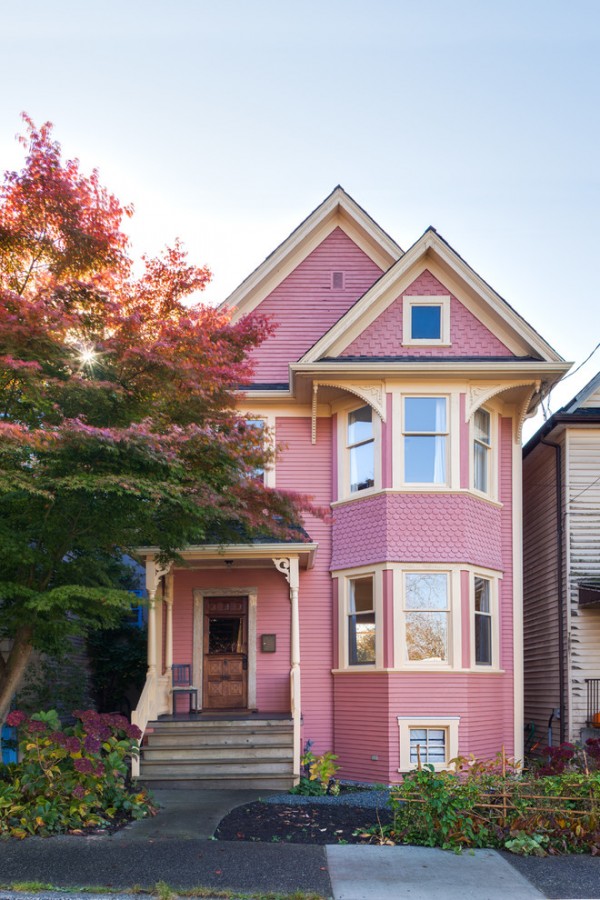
<point x="175" y="847"/>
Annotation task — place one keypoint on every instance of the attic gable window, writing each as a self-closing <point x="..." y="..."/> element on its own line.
<point x="337" y="281"/>
<point x="426" y="320"/>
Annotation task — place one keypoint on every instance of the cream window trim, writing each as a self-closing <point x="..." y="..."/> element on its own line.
<point x="451" y="433"/>
<point x="492" y="579"/>
<point x="449" y="724"/>
<point x="492" y="453"/>
<point x="454" y="613"/>
<point x="343" y="413"/>
<point x="344" y="580"/>
<point x="408" y="303"/>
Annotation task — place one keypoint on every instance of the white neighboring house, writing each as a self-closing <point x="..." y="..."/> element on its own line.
<point x="561" y="524"/>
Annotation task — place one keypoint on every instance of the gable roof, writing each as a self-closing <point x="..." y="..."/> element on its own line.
<point x="575" y="412"/>
<point x="339" y="209"/>
<point x="474" y="292"/>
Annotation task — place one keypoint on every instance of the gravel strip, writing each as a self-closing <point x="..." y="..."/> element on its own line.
<point x="365" y="799"/>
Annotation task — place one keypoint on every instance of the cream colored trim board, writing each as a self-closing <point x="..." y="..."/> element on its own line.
<point x="198" y="636"/>
<point x="408" y="302"/>
<point x="517" y="532"/>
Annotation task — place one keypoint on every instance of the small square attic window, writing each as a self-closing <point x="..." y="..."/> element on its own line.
<point x="337" y="281"/>
<point x="426" y="320"/>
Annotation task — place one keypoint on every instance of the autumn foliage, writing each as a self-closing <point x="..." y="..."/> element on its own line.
<point x="117" y="421"/>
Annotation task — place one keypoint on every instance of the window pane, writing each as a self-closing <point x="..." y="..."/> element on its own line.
<point x="431" y="744"/>
<point x="426" y="590"/>
<point x="425" y="460"/>
<point x="423" y="414"/>
<point x="361" y="595"/>
<point x="427" y="636"/>
<point x="480" y="465"/>
<point x="426" y="322"/>
<point x="482" y="595"/>
<point x="483" y="640"/>
<point x="360" y="425"/>
<point x="362" y="467"/>
<point x="361" y="639"/>
<point x="482" y="426"/>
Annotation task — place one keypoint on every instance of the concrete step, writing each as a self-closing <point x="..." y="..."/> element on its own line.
<point x="217" y="767"/>
<point x="185" y="726"/>
<point x="200" y="752"/>
<point x="219" y="738"/>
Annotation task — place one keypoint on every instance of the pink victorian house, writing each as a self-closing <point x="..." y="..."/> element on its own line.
<point x="398" y="383"/>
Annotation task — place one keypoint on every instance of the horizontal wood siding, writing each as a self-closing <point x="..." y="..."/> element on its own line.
<point x="305" y="305"/>
<point x="273" y="617"/>
<point x="505" y="712"/>
<point x="306" y="467"/>
<point x="583" y="540"/>
<point x="541" y="590"/>
<point x="363" y="726"/>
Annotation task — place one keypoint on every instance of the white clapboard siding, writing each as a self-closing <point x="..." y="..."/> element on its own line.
<point x="583" y="540"/>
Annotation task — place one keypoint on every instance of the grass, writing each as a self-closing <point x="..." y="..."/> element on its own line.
<point x="162" y="891"/>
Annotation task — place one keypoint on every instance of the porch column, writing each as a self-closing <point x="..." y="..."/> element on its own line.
<point x="168" y="598"/>
<point x="290" y="568"/>
<point x="154" y="573"/>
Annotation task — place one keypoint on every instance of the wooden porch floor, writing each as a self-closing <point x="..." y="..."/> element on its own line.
<point x="226" y="715"/>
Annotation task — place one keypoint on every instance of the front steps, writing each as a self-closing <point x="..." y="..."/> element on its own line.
<point x="254" y="753"/>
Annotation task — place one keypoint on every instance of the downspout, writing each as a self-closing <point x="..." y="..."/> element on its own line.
<point x="560" y="575"/>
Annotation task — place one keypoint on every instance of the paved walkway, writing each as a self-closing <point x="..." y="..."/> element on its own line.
<point x="175" y="847"/>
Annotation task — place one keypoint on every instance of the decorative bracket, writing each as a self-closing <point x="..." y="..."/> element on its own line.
<point x="372" y="393"/>
<point x="478" y="394"/>
<point x="283" y="565"/>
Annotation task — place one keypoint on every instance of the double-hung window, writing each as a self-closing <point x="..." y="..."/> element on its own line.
<point x="427" y="617"/>
<point x="361" y="448"/>
<point x="361" y="622"/>
<point x="482" y="446"/>
<point x="483" y="624"/>
<point x="425" y="440"/>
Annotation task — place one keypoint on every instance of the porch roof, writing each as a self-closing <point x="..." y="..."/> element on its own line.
<point x="250" y="554"/>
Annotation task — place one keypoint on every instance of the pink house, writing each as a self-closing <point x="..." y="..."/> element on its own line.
<point x="398" y="383"/>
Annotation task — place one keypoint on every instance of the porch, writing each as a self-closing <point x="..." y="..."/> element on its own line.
<point x="211" y="612"/>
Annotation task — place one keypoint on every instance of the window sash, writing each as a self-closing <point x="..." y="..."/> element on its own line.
<point x="432" y="743"/>
<point x="482" y="443"/>
<point x="361" y="449"/>
<point x="483" y="623"/>
<point x="426" y="321"/>
<point x="426" y="616"/>
<point x="361" y="622"/>
<point x="425" y="440"/>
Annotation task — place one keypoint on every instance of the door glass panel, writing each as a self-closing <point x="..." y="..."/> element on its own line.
<point x="225" y="635"/>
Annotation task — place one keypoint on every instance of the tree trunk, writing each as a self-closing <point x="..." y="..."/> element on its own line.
<point x="15" y="668"/>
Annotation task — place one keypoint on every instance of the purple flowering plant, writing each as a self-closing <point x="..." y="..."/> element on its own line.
<point x="71" y="779"/>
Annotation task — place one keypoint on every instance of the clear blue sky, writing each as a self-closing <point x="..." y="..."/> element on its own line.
<point x="227" y="122"/>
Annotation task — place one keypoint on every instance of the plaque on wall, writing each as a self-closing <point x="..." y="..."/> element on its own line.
<point x="268" y="643"/>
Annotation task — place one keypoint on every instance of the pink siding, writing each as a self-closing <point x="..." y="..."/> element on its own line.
<point x="367" y="706"/>
<point x="468" y="336"/>
<point x="506" y="585"/>
<point x="305" y="305"/>
<point x="387" y="451"/>
<point x="465" y="444"/>
<point x="273" y="617"/>
<point x="417" y="527"/>
<point x="388" y="619"/>
<point x="306" y="467"/>
<point x="465" y="619"/>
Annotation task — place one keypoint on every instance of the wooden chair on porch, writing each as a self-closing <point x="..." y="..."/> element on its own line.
<point x="183" y="684"/>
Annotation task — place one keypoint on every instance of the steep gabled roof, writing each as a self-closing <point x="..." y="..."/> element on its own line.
<point x="575" y="412"/>
<point x="338" y="210"/>
<point x="579" y="399"/>
<point x="474" y="292"/>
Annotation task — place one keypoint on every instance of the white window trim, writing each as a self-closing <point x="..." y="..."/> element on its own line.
<point x="492" y="492"/>
<point x="344" y="611"/>
<point x="448" y="723"/>
<point x="443" y="301"/>
<point x="344" y="492"/>
<point x="453" y="440"/>
<point x="492" y="578"/>
<point x="454" y="660"/>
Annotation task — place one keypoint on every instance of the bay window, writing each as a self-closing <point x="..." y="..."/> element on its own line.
<point x="425" y="440"/>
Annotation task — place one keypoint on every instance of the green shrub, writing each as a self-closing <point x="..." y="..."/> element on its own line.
<point x="71" y="779"/>
<point x="480" y="804"/>
<point x="318" y="774"/>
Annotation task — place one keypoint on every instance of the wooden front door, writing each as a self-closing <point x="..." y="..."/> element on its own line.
<point x="225" y="681"/>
